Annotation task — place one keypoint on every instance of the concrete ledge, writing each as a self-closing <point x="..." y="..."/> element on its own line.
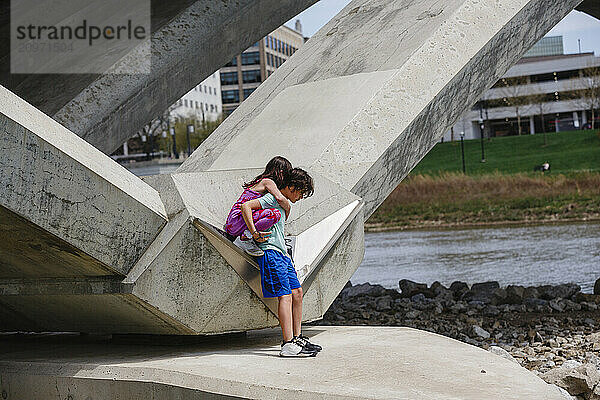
<point x="356" y="363"/>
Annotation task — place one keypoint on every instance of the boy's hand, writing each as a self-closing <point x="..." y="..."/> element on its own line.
<point x="261" y="236"/>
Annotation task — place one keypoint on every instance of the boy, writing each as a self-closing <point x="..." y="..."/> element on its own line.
<point x="278" y="275"/>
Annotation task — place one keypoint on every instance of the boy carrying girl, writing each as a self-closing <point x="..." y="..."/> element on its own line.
<point x="278" y="275"/>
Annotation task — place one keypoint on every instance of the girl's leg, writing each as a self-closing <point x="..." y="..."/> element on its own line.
<point x="265" y="219"/>
<point x="297" y="311"/>
<point x="284" y="312"/>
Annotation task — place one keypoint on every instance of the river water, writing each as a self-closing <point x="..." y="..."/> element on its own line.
<point x="528" y="255"/>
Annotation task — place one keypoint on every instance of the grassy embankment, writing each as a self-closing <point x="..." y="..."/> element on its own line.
<point x="504" y="190"/>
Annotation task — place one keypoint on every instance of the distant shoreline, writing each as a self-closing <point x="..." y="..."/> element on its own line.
<point x="435" y="225"/>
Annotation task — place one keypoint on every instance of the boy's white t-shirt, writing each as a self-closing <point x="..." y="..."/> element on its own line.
<point x="276" y="240"/>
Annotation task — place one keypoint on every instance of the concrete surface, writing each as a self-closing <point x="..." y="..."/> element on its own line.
<point x="55" y="182"/>
<point x="376" y="87"/>
<point x="190" y="40"/>
<point x="356" y="363"/>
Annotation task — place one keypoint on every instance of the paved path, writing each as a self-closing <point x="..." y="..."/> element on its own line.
<point x="356" y="363"/>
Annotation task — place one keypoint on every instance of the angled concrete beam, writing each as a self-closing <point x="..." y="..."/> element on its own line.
<point x="190" y="41"/>
<point x="77" y="211"/>
<point x="370" y="94"/>
<point x="591" y="7"/>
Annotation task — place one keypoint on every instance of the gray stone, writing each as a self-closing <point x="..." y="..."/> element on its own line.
<point x="479" y="331"/>
<point x="410" y="288"/>
<point x="564" y="291"/>
<point x="384" y="303"/>
<point x="580" y="380"/>
<point x="514" y="294"/>
<point x="459" y="289"/>
<point x="365" y="289"/>
<point x="597" y="287"/>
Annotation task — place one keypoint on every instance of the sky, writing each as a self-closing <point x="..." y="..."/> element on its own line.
<point x="576" y="25"/>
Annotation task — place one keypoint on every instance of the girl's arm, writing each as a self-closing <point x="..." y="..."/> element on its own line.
<point x="247" y="208"/>
<point x="272" y="188"/>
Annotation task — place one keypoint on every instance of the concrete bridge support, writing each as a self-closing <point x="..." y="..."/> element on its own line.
<point x="358" y="106"/>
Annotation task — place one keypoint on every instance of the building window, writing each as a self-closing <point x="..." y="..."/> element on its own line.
<point x="196" y="105"/>
<point x="248" y="92"/>
<point x="232" y="63"/>
<point x="212" y="108"/>
<point x="229" y="78"/>
<point x="267" y="41"/>
<point x="185" y="103"/>
<point x="206" y="105"/>
<point x="251" y="76"/>
<point x="250" y="58"/>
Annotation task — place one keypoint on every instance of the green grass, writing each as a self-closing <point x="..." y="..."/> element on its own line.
<point x="565" y="151"/>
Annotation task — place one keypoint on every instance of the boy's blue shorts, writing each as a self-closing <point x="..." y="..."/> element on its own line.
<point x="277" y="274"/>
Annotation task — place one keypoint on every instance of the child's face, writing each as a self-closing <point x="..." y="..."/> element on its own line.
<point x="292" y="194"/>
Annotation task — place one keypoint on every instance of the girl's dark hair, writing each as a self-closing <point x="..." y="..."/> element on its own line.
<point x="277" y="169"/>
<point x="300" y="180"/>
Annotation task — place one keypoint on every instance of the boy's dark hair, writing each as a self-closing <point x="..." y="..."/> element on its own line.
<point x="277" y="169"/>
<point x="299" y="179"/>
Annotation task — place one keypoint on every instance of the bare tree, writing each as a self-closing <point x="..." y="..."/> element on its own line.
<point x="540" y="104"/>
<point x="589" y="94"/>
<point x="515" y="95"/>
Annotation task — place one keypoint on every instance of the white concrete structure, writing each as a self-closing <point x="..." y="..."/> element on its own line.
<point x="203" y="102"/>
<point x="556" y="77"/>
<point x="356" y="363"/>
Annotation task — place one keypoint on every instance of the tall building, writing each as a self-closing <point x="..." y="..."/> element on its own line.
<point x="202" y="102"/>
<point x="548" y="46"/>
<point x="541" y="93"/>
<point x="242" y="75"/>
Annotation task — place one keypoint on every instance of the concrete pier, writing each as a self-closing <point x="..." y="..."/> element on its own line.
<point x="356" y="363"/>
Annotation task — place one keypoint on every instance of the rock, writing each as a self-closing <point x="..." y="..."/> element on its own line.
<point x="514" y="294"/>
<point x="480" y="332"/>
<point x="365" y="289"/>
<point x="530" y="293"/>
<point x="418" y="298"/>
<point x="564" y="291"/>
<point x="491" y="311"/>
<point x="440" y="291"/>
<point x="499" y="297"/>
<point x="597" y="287"/>
<point x="565" y="394"/>
<point x="384" y="303"/>
<point x="499" y="351"/>
<point x="556" y="306"/>
<point x="412" y="314"/>
<point x="483" y="292"/>
<point x="590" y="298"/>
<point x="410" y="288"/>
<point x="533" y="302"/>
<point x="459" y="288"/>
<point x="485" y="286"/>
<point x="577" y="381"/>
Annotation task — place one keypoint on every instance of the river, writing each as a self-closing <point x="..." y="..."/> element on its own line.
<point x="527" y="255"/>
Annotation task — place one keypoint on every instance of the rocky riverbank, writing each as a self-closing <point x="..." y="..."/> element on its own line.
<point x="552" y="330"/>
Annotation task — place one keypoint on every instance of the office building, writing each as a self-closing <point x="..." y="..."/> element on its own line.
<point x="245" y="72"/>
<point x="543" y="93"/>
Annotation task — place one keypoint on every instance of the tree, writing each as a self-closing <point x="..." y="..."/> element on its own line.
<point x="515" y="95"/>
<point x="542" y="106"/>
<point x="589" y="94"/>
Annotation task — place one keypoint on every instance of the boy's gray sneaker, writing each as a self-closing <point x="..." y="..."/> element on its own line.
<point x="294" y="348"/>
<point x="307" y="344"/>
<point x="249" y="246"/>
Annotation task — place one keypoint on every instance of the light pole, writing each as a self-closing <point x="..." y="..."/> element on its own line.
<point x="482" y="131"/>
<point x="462" y="149"/>
<point x="190" y="129"/>
<point x="172" y="131"/>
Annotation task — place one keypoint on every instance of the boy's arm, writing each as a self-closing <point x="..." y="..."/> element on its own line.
<point x="274" y="190"/>
<point x="247" y="208"/>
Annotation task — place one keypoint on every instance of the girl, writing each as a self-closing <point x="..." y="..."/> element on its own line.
<point x="274" y="177"/>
